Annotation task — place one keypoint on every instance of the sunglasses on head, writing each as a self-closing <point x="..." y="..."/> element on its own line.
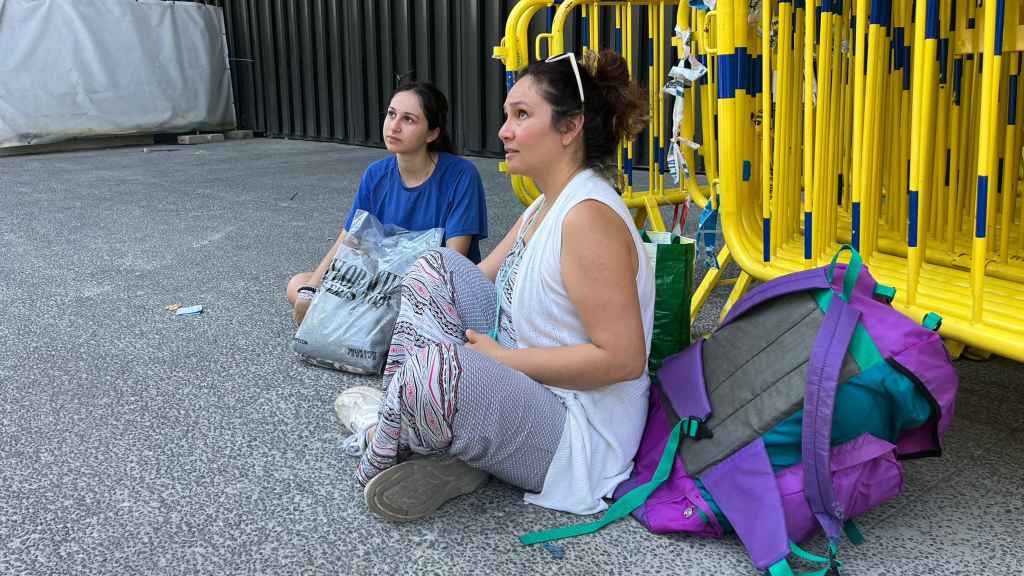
<point x="575" y="69"/>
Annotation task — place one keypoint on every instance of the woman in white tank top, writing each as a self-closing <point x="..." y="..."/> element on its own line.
<point x="531" y="366"/>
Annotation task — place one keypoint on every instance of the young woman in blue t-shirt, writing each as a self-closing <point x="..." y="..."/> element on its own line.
<point x="422" y="185"/>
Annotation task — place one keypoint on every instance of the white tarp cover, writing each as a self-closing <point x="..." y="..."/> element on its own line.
<point x="77" y="68"/>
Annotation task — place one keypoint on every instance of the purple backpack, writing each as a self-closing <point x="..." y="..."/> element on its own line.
<point x="708" y="460"/>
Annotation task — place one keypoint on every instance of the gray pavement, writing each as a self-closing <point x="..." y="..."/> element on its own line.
<point x="136" y="442"/>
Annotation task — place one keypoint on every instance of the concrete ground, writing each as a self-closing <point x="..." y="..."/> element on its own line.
<point x="136" y="442"/>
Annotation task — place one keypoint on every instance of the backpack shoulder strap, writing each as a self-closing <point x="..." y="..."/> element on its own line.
<point x="823" y="372"/>
<point x="744" y="487"/>
<point x="681" y="379"/>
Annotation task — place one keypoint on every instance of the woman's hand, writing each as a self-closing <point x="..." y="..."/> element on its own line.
<point x="485" y="345"/>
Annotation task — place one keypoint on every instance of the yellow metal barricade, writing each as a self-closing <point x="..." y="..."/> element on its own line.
<point x="893" y="131"/>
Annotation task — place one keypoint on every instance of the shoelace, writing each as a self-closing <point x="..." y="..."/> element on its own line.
<point x="356" y="444"/>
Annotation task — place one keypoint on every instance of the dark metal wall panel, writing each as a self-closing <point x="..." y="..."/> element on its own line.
<point x="371" y="75"/>
<point x="493" y="80"/>
<point x="404" y="36"/>
<point x="356" y="69"/>
<point x="324" y="69"/>
<point x="310" y="110"/>
<point x="322" y="53"/>
<point x="468" y="57"/>
<point x="250" y="109"/>
<point x="441" y="62"/>
<point x="423" y="38"/>
<point x="336" y="68"/>
<point x="270" y="69"/>
<point x="294" y="41"/>
<point x="279" y="29"/>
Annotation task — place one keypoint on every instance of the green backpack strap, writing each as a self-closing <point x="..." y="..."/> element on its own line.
<point x="782" y="567"/>
<point x="853" y="533"/>
<point x="932" y="321"/>
<point x="623" y="506"/>
<point x="852" y="270"/>
<point x="885" y="293"/>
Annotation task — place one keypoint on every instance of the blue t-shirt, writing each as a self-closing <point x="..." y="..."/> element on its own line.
<point x="452" y="199"/>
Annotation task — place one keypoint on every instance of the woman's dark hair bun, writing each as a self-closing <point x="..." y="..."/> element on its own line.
<point x="623" y="96"/>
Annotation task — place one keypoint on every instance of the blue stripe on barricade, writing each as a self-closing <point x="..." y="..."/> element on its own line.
<point x="817" y="28"/>
<point x="755" y="76"/>
<point x="946" y="179"/>
<point x="912" y="228"/>
<point x="999" y="177"/>
<point x="1011" y="112"/>
<point x="1000" y="16"/>
<point x="931" y="20"/>
<point x="658" y="156"/>
<point x="897" y="47"/>
<point x="981" y="218"/>
<point x="726" y="76"/>
<point x="808" y="232"/>
<point x="906" y="67"/>
<point x="943" y="56"/>
<point x="877" y="14"/>
<point x="855" y="237"/>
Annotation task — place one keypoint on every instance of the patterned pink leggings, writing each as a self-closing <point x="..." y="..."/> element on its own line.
<point x="442" y="397"/>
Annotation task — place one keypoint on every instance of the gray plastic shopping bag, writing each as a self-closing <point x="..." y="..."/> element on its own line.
<point x="350" y="322"/>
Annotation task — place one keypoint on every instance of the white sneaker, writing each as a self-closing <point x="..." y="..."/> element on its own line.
<point x="357" y="408"/>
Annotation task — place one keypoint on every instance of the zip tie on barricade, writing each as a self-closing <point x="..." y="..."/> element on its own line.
<point x="707" y="235"/>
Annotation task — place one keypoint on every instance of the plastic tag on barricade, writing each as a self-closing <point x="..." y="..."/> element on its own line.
<point x="674" y="88"/>
<point x="676" y="161"/>
<point x="684" y="41"/>
<point x="707" y="235"/>
<point x="689" y="69"/>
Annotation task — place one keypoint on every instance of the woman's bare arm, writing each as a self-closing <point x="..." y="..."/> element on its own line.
<point x="492" y="262"/>
<point x="599" y="266"/>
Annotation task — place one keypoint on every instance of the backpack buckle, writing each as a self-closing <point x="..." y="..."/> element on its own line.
<point x="697" y="428"/>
